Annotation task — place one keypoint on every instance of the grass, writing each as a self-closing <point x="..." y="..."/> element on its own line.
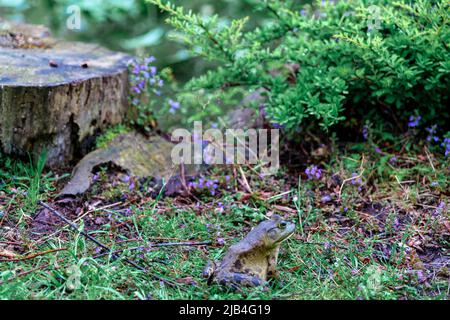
<point x="382" y="237"/>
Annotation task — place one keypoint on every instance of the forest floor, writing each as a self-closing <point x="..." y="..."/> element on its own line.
<point x="374" y="225"/>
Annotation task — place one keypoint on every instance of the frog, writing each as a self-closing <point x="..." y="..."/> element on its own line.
<point x="252" y="261"/>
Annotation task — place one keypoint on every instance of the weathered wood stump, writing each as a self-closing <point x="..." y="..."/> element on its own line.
<point x="54" y="95"/>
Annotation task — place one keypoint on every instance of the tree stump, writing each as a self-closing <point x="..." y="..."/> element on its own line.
<point x="55" y="95"/>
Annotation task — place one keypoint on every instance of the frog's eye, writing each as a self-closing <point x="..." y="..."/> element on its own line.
<point x="282" y="224"/>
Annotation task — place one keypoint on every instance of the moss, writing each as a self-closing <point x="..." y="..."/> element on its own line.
<point x="109" y="135"/>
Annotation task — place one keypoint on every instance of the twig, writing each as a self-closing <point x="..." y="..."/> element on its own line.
<point x="244" y="181"/>
<point x="32" y="256"/>
<point x="95" y="210"/>
<point x="429" y="159"/>
<point x="347" y="180"/>
<point x="116" y="256"/>
<point x="352" y="178"/>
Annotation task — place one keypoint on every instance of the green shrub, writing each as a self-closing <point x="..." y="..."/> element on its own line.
<point x="333" y="60"/>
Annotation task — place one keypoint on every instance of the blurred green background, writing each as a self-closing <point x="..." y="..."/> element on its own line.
<point x="133" y="26"/>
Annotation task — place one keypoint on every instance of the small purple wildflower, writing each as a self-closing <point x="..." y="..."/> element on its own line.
<point x="211" y="184"/>
<point x="142" y="75"/>
<point x="440" y="208"/>
<point x="393" y="160"/>
<point x="136" y="69"/>
<point x="378" y="150"/>
<point x="446" y="145"/>
<point x="414" y="121"/>
<point x="313" y="172"/>
<point x="396" y="224"/>
<point x="432" y="134"/>
<point x="277" y="126"/>
<point x="365" y="132"/>
<point x="356" y="181"/>
<point x="136" y="90"/>
<point x="174" y="106"/>
<point x="149" y="60"/>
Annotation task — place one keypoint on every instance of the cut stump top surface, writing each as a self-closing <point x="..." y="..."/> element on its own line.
<point x="29" y="57"/>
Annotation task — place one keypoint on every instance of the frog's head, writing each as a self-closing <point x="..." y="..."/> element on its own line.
<point x="276" y="230"/>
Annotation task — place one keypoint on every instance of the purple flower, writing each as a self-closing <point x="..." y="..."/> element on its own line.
<point x="153" y="70"/>
<point x="356" y="181"/>
<point x="414" y="121"/>
<point x="313" y="172"/>
<point x="393" y="159"/>
<point x="439" y="209"/>
<point x="446" y="145"/>
<point x="277" y="126"/>
<point x="174" y="106"/>
<point x="365" y="132"/>
<point x="137" y="90"/>
<point x="136" y="69"/>
<point x="432" y="134"/>
<point x="303" y="12"/>
<point x="211" y="184"/>
<point x="396" y="224"/>
<point x="149" y="60"/>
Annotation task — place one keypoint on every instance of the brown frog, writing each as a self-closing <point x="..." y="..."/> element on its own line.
<point x="253" y="260"/>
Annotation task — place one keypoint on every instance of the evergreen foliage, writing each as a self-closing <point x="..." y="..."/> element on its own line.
<point x="320" y="63"/>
